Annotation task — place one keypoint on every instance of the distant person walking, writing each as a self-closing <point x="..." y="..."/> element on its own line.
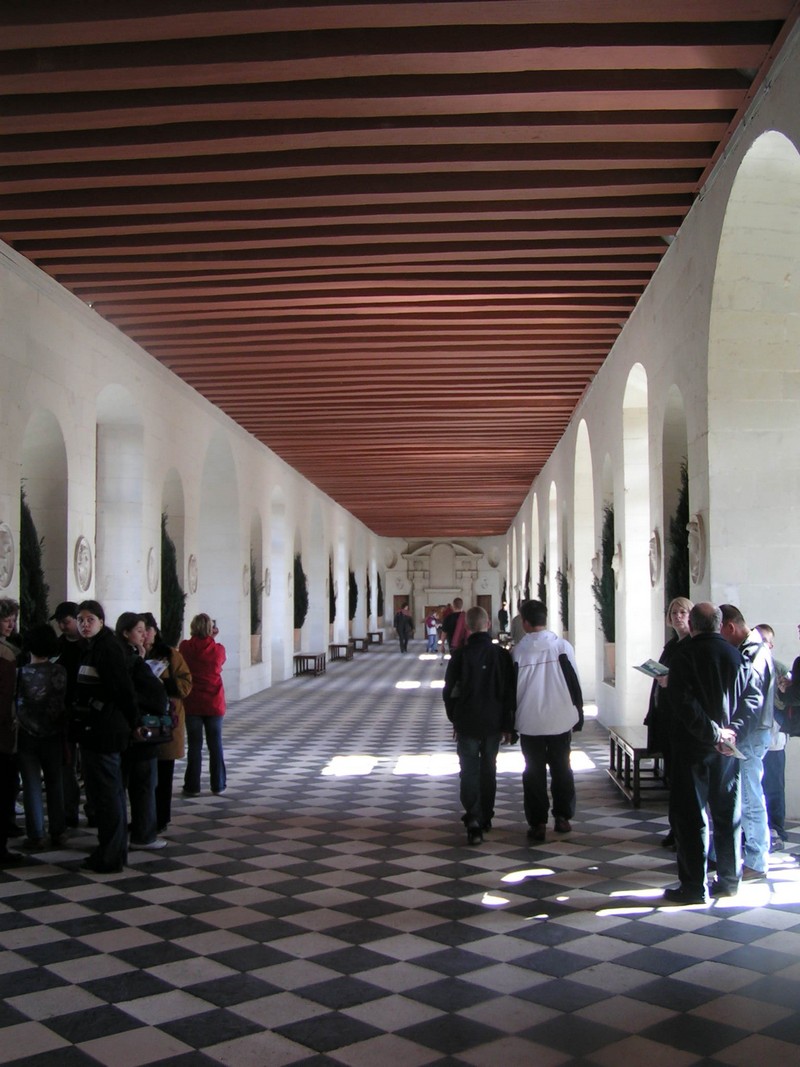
<point x="404" y="625"/>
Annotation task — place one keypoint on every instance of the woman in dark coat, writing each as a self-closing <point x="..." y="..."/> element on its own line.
<point x="104" y="717"/>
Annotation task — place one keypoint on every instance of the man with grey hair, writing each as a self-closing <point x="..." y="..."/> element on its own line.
<point x="713" y="701"/>
<point x="753" y="746"/>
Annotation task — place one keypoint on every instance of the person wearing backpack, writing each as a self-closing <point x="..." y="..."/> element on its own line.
<point x="480" y="699"/>
<point x="41" y="722"/>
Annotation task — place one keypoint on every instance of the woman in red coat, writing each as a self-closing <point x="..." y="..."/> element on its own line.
<point x="205" y="705"/>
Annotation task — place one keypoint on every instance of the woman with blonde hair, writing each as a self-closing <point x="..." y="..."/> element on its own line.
<point x="658" y="713"/>
<point x="204" y="705"/>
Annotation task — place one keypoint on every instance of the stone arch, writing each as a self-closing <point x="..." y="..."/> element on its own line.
<point x="256" y="594"/>
<point x="634" y="620"/>
<point x="277" y="591"/>
<point x="584" y="622"/>
<point x="45" y="478"/>
<point x="317" y="570"/>
<point x="120" y="481"/>
<point x="173" y="505"/>
<point x="674" y="453"/>
<point x="553" y="556"/>
<point x="536" y="545"/>
<point x="753" y="521"/>
<point x="220" y="589"/>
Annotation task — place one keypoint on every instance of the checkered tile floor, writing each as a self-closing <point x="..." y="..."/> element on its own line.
<point x="327" y="910"/>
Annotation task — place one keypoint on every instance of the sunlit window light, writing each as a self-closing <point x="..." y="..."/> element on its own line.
<point x="437" y="683"/>
<point x="492" y="901"/>
<point x="622" y="912"/>
<point x="347" y="766"/>
<point x="430" y="764"/>
<point x="515" y="877"/>
<point x="429" y="655"/>
<point x="408" y="685"/>
<point x="645" y="894"/>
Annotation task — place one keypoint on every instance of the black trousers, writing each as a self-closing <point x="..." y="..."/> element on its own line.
<point x="701" y="784"/>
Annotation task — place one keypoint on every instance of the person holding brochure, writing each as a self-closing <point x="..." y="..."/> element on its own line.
<point x="658" y="712"/>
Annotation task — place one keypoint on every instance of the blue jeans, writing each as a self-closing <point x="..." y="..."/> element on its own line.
<point x="140" y="778"/>
<point x="39" y="756"/>
<point x="432" y="638"/>
<point x="755" y="826"/>
<point x="541" y="751"/>
<point x="775" y="790"/>
<point x="478" y="759"/>
<point x="105" y="794"/>
<point x="211" y="726"/>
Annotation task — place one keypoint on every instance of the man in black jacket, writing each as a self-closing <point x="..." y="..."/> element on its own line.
<point x="480" y="699"/>
<point x="713" y="701"/>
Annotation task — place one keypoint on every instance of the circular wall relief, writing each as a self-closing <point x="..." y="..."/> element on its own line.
<point x="391" y="557"/>
<point x="83" y="563"/>
<point x="191" y="574"/>
<point x="152" y="571"/>
<point x="7" y="555"/>
<point x="494" y="556"/>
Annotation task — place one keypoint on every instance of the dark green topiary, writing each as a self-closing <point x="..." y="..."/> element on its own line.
<point x="300" y="593"/>
<point x="368" y="587"/>
<point x="380" y="598"/>
<point x="541" y="588"/>
<point x="173" y="598"/>
<point x="677" y="582"/>
<point x="562" y="581"/>
<point x="33" y="589"/>
<point x="352" y="595"/>
<point x="331" y="594"/>
<point x="603" y="587"/>
<point x="526" y="590"/>
<point x="256" y="589"/>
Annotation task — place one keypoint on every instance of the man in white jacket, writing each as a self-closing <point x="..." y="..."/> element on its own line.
<point x="549" y="708"/>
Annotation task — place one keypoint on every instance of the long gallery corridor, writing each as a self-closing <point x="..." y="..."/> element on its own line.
<point x="327" y="910"/>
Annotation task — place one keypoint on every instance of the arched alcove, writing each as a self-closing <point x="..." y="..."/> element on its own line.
<point x="753" y="521"/>
<point x="220" y="591"/>
<point x="277" y="589"/>
<point x="316" y="567"/>
<point x="45" y="479"/>
<point x="516" y="583"/>
<point x="173" y="506"/>
<point x="553" y="557"/>
<point x="119" y="567"/>
<point x="584" y="624"/>
<point x="536" y="545"/>
<point x="634" y="626"/>
<point x="526" y="576"/>
<point x="674" y="457"/>
<point x="256" y="597"/>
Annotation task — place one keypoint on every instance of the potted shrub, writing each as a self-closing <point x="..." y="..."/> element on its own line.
<point x="604" y="591"/>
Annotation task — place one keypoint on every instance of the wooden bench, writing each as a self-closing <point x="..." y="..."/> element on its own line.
<point x="360" y="644"/>
<point x="627" y="749"/>
<point x="309" y="663"/>
<point x="340" y="651"/>
<point x="375" y="637"/>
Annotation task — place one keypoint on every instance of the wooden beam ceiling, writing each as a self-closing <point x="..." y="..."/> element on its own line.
<point x="394" y="241"/>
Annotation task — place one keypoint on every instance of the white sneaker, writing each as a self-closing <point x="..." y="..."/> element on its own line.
<point x="151" y="846"/>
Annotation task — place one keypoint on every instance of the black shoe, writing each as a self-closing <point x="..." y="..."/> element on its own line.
<point x="486" y="826"/>
<point x="668" y="841"/>
<point x="537" y="832"/>
<point x="719" y="889"/>
<point x="563" y="826"/>
<point x="474" y="835"/>
<point x="681" y="895"/>
<point x="11" y="859"/>
<point x="99" y="868"/>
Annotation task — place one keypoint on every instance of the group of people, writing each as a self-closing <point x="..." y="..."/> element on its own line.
<point x="113" y="708"/>
<point x="492" y="696"/>
<point x="719" y="717"/>
<point x="445" y="627"/>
